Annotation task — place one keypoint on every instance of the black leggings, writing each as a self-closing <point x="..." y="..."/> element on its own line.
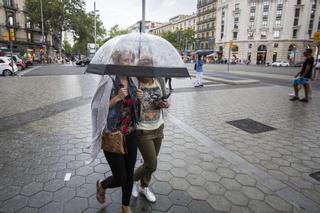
<point x="122" y="167"/>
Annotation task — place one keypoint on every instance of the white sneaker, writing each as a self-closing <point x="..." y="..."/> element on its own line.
<point x="148" y="194"/>
<point x="135" y="192"/>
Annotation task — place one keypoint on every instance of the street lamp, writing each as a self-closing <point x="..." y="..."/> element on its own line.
<point x="143" y="16"/>
<point x="95" y="27"/>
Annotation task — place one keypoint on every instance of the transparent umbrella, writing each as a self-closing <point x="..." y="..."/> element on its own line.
<point x="138" y="54"/>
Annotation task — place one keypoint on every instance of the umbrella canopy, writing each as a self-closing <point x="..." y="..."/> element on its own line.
<point x="139" y="55"/>
<point x="204" y="52"/>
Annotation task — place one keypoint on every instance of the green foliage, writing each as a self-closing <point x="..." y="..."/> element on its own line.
<point x="179" y="38"/>
<point x="67" y="47"/>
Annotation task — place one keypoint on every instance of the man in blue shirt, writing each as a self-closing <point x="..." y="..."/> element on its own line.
<point x="199" y="72"/>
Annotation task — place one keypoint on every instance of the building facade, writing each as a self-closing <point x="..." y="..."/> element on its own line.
<point x="206" y="24"/>
<point x="180" y="22"/>
<point x="148" y="25"/>
<point x="27" y="36"/>
<point x="266" y="30"/>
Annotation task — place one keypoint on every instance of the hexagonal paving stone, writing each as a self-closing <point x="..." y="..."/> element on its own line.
<point x="86" y="190"/>
<point x="165" y="166"/>
<point x="163" y="188"/>
<point x="57" y="167"/>
<point x="198" y="192"/>
<point x="237" y="198"/>
<point x="214" y="188"/>
<point x="260" y="206"/>
<point x="200" y="206"/>
<point x="253" y="193"/>
<point x="45" y="177"/>
<point x="65" y="194"/>
<point x="84" y="171"/>
<point x="219" y="203"/>
<point x="179" y="172"/>
<point x="92" y="178"/>
<point x="163" y="203"/>
<point x="211" y="176"/>
<point x="102" y="168"/>
<point x="245" y="180"/>
<point x="196" y="180"/>
<point x="32" y="188"/>
<point x="178" y="163"/>
<point x="230" y="184"/>
<point x="54" y="185"/>
<point x="179" y="183"/>
<point x="52" y="207"/>
<point x="179" y="209"/>
<point x="28" y="210"/>
<point x="240" y="209"/>
<point x="76" y="181"/>
<point x="208" y="166"/>
<point x="180" y="198"/>
<point x="93" y="203"/>
<point x="14" y="204"/>
<point x="162" y="175"/>
<point x="40" y="199"/>
<point x="194" y="169"/>
<point x="226" y="172"/>
<point x="76" y="205"/>
<point x="9" y="192"/>
<point x="278" y="203"/>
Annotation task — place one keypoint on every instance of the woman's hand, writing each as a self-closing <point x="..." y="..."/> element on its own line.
<point x="122" y="93"/>
<point x="140" y="95"/>
<point x="163" y="103"/>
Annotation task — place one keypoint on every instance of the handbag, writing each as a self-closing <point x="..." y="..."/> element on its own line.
<point x="114" y="142"/>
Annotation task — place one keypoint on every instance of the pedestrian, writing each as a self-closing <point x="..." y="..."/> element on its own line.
<point x="199" y="72"/>
<point x="303" y="77"/>
<point x="170" y="85"/>
<point x="115" y="114"/>
<point x="149" y="131"/>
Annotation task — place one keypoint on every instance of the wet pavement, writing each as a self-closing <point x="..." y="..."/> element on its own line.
<point x="205" y="164"/>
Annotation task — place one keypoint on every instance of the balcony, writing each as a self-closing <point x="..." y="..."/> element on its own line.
<point x="15" y="25"/>
<point x="10" y="5"/>
<point x="206" y="20"/>
<point x="207" y="11"/>
<point x="206" y="3"/>
<point x="206" y="29"/>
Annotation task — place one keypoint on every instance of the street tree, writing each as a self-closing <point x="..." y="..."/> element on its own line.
<point x="180" y="38"/>
<point x="83" y="31"/>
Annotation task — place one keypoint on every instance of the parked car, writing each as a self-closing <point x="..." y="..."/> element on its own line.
<point x="83" y="62"/>
<point x="19" y="62"/>
<point x="280" y="64"/>
<point x="6" y="66"/>
<point x="298" y="64"/>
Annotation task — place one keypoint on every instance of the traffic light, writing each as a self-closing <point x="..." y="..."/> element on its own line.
<point x="12" y="36"/>
<point x="6" y="36"/>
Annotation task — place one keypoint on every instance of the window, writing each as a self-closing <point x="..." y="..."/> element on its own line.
<point x="263" y="34"/>
<point x="252" y="15"/>
<point x="297" y="13"/>
<point x="29" y="36"/>
<point x="278" y="23"/>
<point x="251" y="24"/>
<point x="264" y="23"/>
<point x="294" y="33"/>
<point x="265" y="13"/>
<point x="319" y="25"/>
<point x="296" y="22"/>
<point x="235" y="35"/>
<point x="253" y="3"/>
<point x="236" y="19"/>
<point x="276" y="34"/>
<point x="250" y="46"/>
<point x="279" y="13"/>
<point x="280" y="2"/>
<point x="250" y="34"/>
<point x="266" y="3"/>
<point x="275" y="45"/>
<point x="298" y="2"/>
<point x="237" y="6"/>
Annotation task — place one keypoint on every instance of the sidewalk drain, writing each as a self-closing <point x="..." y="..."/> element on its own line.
<point x="316" y="176"/>
<point x="251" y="126"/>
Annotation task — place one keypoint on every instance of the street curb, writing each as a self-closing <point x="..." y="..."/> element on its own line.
<point x="231" y="82"/>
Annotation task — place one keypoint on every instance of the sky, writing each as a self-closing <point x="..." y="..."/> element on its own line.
<point x="128" y="12"/>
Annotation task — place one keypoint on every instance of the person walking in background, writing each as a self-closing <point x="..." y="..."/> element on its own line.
<point x="303" y="77"/>
<point x="170" y="85"/>
<point x="149" y="130"/>
<point x="199" y="72"/>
